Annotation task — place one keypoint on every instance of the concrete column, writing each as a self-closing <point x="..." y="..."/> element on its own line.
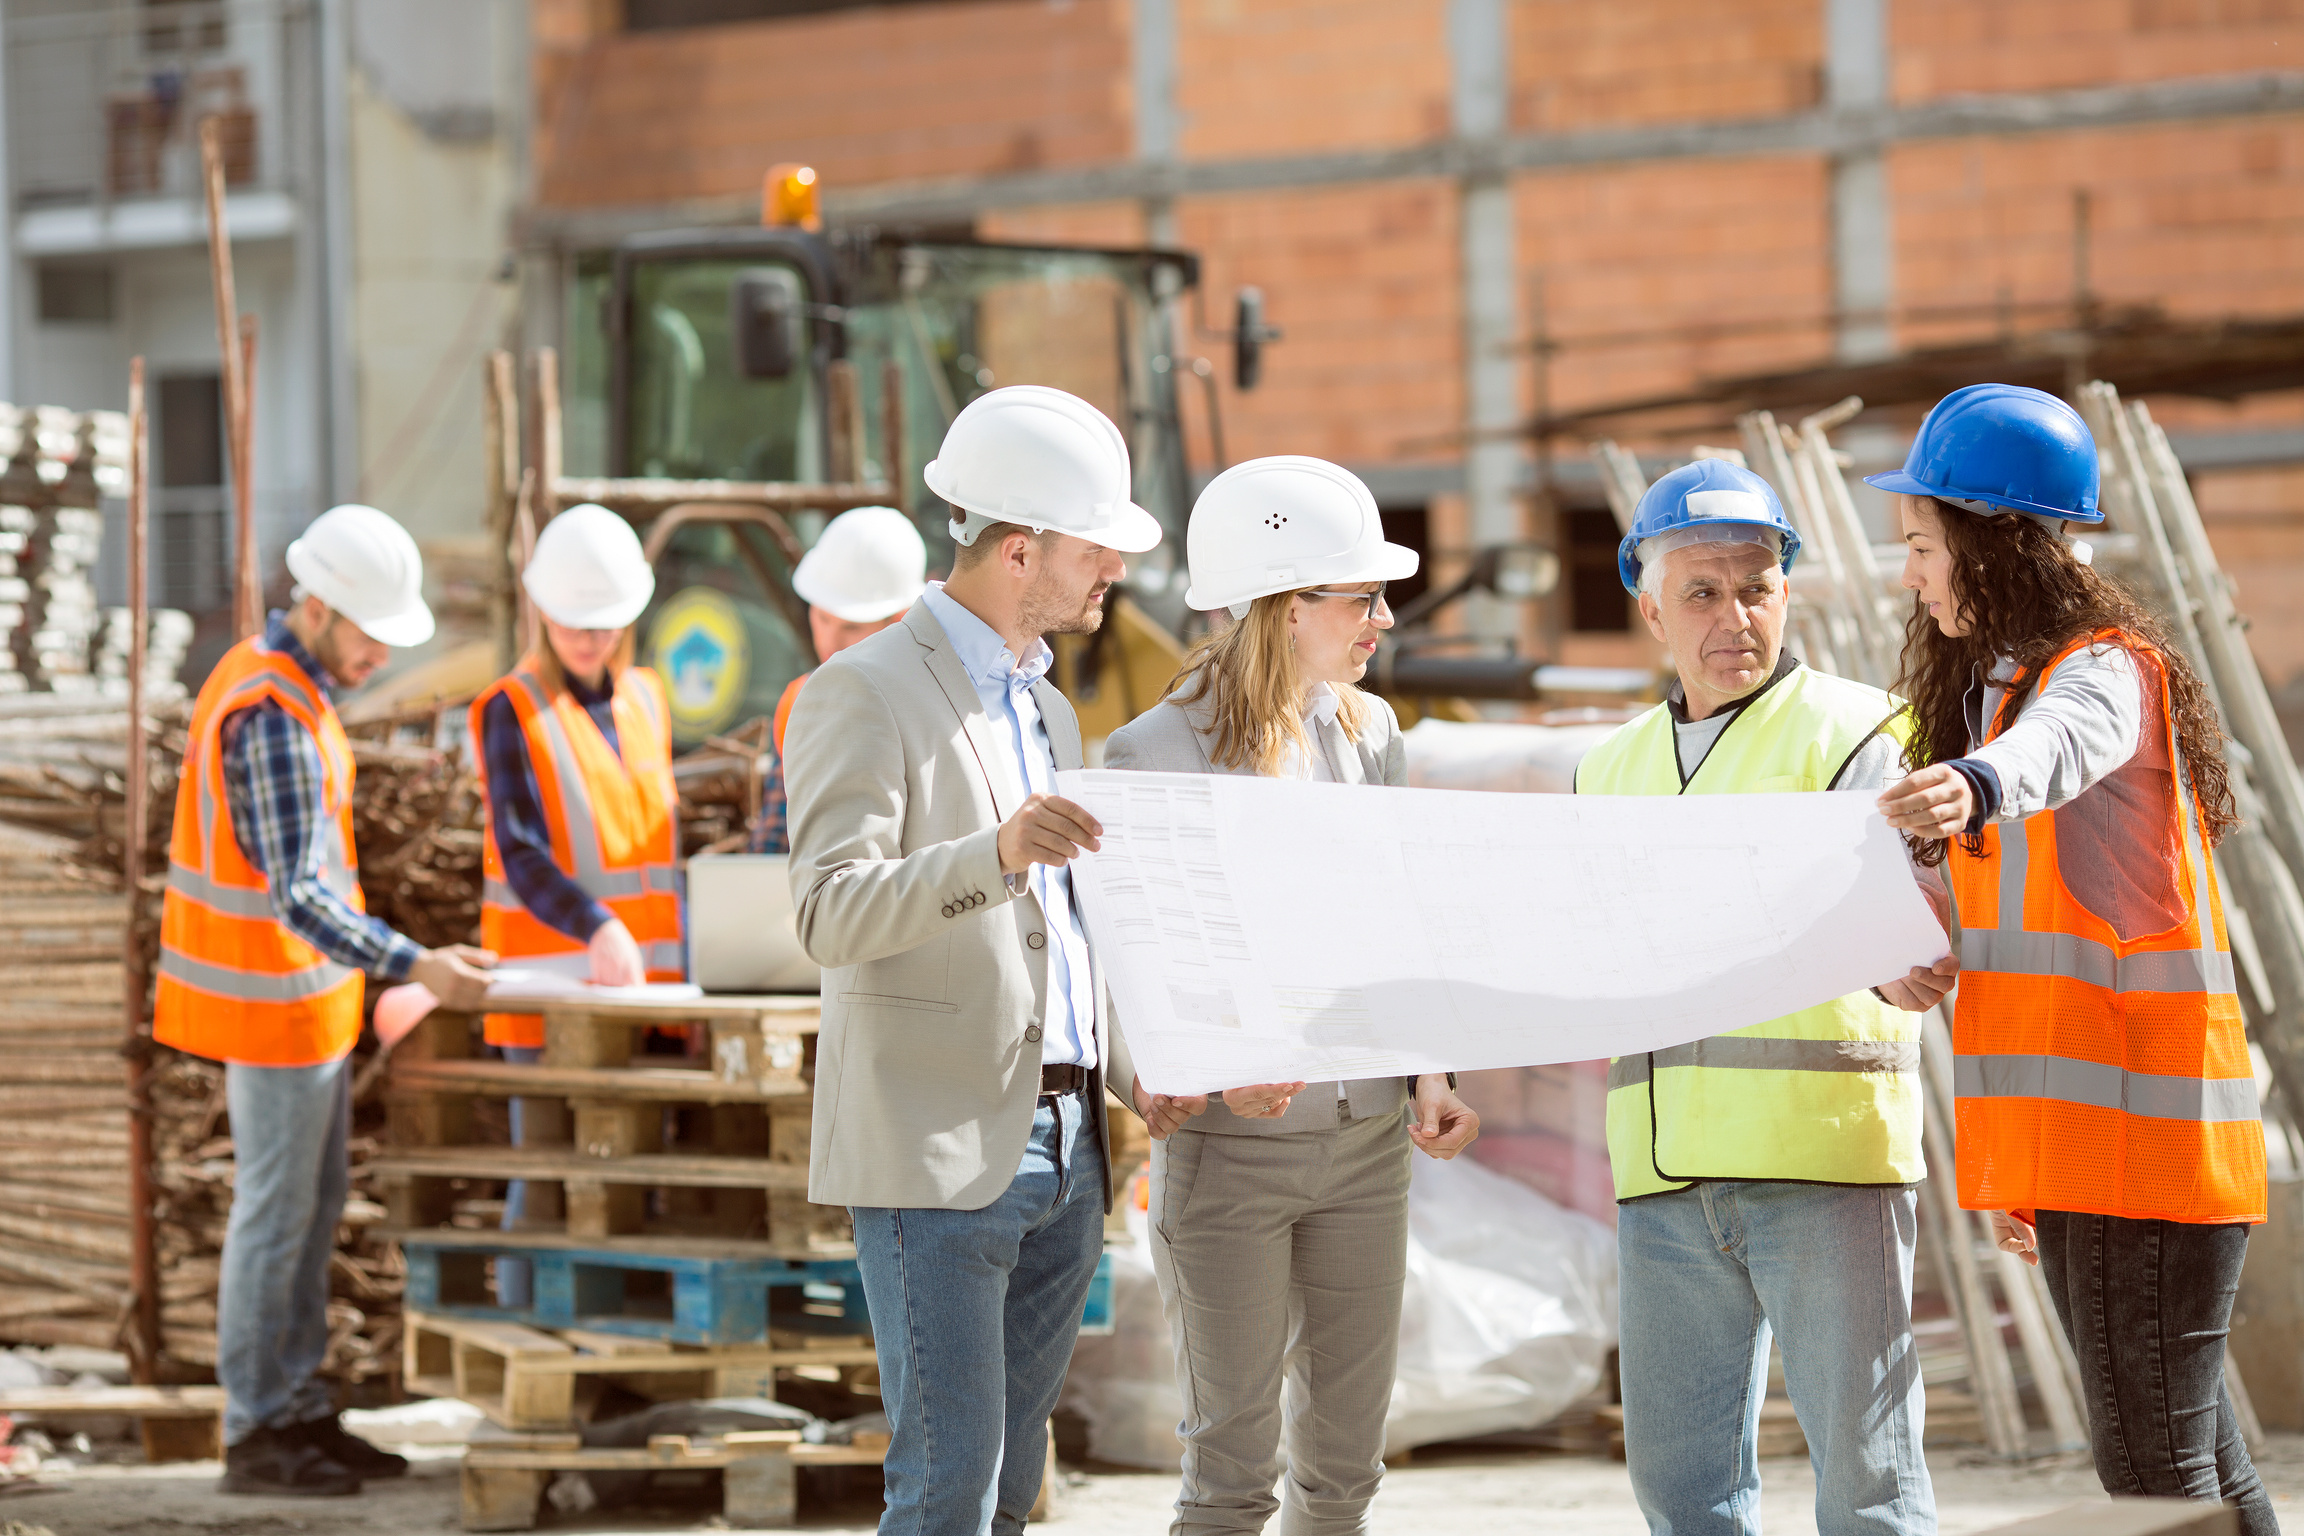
<point x="1159" y="126"/>
<point x="11" y="269"/>
<point x="1863" y="251"/>
<point x="1479" y="63"/>
<point x="339" y="386"/>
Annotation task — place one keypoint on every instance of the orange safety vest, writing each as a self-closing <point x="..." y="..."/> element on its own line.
<point x="2099" y="1059"/>
<point x="790" y="697"/>
<point x="614" y="828"/>
<point x="235" y="984"/>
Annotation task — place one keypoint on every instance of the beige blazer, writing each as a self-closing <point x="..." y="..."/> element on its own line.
<point x="1176" y="738"/>
<point x="928" y="1058"/>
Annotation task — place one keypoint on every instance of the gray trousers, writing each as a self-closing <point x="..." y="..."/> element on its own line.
<point x="1280" y="1261"/>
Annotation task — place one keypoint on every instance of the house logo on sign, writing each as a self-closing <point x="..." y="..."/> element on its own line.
<point x="699" y="649"/>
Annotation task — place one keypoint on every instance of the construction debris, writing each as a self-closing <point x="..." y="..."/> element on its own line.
<point x="720" y="789"/>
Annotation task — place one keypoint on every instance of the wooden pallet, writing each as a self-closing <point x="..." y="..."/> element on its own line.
<point x="524" y="1378"/>
<point x="594" y="1119"/>
<point x="703" y="1299"/>
<point x="504" y="1478"/>
<point x="179" y="1423"/>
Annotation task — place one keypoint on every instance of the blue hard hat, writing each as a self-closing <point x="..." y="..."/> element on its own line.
<point x="1994" y="448"/>
<point x="1707" y="492"/>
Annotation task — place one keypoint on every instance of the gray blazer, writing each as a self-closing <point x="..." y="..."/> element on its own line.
<point x="1176" y="738"/>
<point x="928" y="1058"/>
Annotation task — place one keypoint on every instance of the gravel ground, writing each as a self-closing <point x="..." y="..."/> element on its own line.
<point x="1445" y="1490"/>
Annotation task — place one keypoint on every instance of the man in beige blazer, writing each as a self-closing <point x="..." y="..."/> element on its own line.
<point x="965" y="1044"/>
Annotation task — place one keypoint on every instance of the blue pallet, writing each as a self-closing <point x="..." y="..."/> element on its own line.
<point x="1096" y="1314"/>
<point x="698" y="1301"/>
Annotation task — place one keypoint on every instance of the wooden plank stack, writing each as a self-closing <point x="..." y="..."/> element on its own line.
<point x="56" y="466"/>
<point x="671" y="1245"/>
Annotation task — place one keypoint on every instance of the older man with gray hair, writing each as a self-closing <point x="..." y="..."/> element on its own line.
<point x="1764" y="1176"/>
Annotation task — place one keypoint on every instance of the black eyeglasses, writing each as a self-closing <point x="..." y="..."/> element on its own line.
<point x="1371" y="599"/>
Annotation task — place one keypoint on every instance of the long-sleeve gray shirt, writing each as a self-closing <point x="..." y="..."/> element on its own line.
<point x="2079" y="726"/>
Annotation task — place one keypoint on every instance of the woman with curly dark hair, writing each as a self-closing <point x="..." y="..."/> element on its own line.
<point x="2069" y="772"/>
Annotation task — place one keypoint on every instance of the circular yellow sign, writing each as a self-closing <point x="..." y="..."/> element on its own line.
<point x="698" y="647"/>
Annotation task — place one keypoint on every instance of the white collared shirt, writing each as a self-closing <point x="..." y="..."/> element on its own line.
<point x="1004" y="685"/>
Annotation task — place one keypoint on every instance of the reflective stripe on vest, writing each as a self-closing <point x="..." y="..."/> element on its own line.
<point x="233" y="983"/>
<point x="2078" y="1055"/>
<point x="1827" y="1095"/>
<point x="613" y="825"/>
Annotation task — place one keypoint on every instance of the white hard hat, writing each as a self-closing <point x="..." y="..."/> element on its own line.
<point x="366" y="567"/>
<point x="1048" y="460"/>
<point x="869" y="564"/>
<point x="1281" y="525"/>
<point x="588" y="571"/>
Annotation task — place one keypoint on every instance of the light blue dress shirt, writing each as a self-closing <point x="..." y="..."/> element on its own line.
<point x="1068" y="1032"/>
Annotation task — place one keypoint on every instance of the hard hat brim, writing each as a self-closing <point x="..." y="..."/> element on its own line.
<point x="614" y="616"/>
<point x="1897" y="482"/>
<point x="1389" y="562"/>
<point x="411" y="626"/>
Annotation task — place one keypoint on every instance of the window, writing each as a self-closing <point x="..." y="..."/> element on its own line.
<point x="75" y="294"/>
<point x="183" y="26"/>
<point x="1596" y="600"/>
<point x="192" y="564"/>
<point x="667" y="15"/>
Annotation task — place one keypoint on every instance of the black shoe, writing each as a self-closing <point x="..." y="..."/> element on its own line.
<point x="282" y="1462"/>
<point x="362" y="1460"/>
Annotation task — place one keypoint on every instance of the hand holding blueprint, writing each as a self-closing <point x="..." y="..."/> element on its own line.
<point x="1265" y="930"/>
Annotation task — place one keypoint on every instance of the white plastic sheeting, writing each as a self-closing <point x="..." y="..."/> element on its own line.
<point x="1534" y="759"/>
<point x="1508" y="1317"/>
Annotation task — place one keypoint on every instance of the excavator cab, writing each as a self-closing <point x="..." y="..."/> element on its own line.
<point x="782" y="354"/>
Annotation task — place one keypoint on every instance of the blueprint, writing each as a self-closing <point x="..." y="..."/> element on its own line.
<point x="1264" y="930"/>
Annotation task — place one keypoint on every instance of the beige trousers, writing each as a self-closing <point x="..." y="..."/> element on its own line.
<point x="1280" y="1261"/>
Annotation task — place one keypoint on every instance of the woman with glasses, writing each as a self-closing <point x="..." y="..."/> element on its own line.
<point x="1280" y="1210"/>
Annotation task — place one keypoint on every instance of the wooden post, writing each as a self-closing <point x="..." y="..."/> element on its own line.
<point x="893" y="463"/>
<point x="143" y="1256"/>
<point x="236" y="346"/>
<point x="500" y="454"/>
<point x="248" y="578"/>
<point x="544" y="502"/>
<point x="524" y="550"/>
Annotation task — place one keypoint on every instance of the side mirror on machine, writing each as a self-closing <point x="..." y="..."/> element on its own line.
<point x="764" y="312"/>
<point x="1249" y="333"/>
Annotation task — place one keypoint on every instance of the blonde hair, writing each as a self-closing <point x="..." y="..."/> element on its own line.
<point x="1247" y="674"/>
<point x="554" y="675"/>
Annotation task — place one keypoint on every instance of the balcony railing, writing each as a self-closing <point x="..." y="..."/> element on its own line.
<point x="105" y="102"/>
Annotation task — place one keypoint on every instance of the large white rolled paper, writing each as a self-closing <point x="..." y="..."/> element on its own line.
<point x="1261" y="930"/>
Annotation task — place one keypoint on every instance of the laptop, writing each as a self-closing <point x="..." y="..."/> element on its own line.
<point x="741" y="933"/>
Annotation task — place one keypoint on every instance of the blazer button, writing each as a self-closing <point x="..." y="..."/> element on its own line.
<point x="950" y="910"/>
<point x="1035" y="940"/>
<point x="1032" y="1032"/>
<point x="978" y="898"/>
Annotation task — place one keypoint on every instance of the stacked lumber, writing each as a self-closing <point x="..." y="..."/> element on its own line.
<point x="720" y="788"/>
<point x="418" y="822"/>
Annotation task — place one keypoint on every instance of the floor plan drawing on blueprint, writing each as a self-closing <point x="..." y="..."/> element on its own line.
<point x="1261" y="930"/>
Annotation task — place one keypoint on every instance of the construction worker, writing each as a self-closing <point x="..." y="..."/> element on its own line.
<point x="576" y="765"/>
<point x="866" y="568"/>
<point x="2073" y="782"/>
<point x="1764" y="1177"/>
<point x="263" y="942"/>
<point x="965" y="1042"/>
<point x="1280" y="1210"/>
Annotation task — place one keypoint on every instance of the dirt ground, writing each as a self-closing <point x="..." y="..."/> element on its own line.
<point x="1442" y="1489"/>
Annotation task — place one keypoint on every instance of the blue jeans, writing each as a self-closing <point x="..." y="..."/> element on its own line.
<point x="289" y="1182"/>
<point x="1707" y="1273"/>
<point x="515" y="1277"/>
<point x="974" y="1313"/>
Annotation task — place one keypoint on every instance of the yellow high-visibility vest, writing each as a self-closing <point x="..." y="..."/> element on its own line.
<point x="1828" y="1095"/>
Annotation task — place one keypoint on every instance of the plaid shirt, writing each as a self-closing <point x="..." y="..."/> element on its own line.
<point x="516" y="816"/>
<point x="769" y="834"/>
<point x="272" y="781"/>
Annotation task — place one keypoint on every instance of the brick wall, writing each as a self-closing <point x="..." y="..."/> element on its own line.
<point x="1275" y="77"/>
<point x="1655" y="61"/>
<point x="865" y="96"/>
<point x="1953" y="47"/>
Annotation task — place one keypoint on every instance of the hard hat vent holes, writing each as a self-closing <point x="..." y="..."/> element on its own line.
<point x="1275" y="521"/>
